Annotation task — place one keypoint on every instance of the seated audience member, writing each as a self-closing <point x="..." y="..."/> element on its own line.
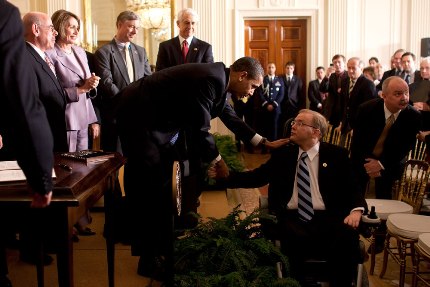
<point x="384" y="133"/>
<point x="312" y="193"/>
<point x="369" y="73"/>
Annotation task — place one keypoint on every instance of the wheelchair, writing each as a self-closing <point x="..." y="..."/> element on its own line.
<point x="317" y="269"/>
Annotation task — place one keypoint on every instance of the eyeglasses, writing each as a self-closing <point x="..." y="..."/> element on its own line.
<point x="50" y="27"/>
<point x="300" y="123"/>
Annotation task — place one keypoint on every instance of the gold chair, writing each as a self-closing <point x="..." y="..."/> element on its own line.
<point x="419" y="151"/>
<point x="422" y="253"/>
<point x="348" y="140"/>
<point x="327" y="135"/>
<point x="405" y="228"/>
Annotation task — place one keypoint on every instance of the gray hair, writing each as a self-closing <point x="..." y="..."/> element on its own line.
<point x="250" y="65"/>
<point x="188" y="11"/>
<point x="318" y="121"/>
<point x="126" y="15"/>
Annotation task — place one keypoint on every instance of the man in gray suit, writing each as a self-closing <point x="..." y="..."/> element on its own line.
<point x="111" y="65"/>
<point x="172" y="52"/>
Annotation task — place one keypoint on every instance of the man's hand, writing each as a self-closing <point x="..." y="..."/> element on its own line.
<point x="41" y="200"/>
<point x="95" y="130"/>
<point x="1" y="142"/>
<point x="373" y="167"/>
<point x="422" y="135"/>
<point x="277" y="143"/>
<point x="353" y="219"/>
<point x="421" y="106"/>
<point x="218" y="170"/>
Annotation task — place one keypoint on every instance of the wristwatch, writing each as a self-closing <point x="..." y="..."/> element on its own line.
<point x="263" y="141"/>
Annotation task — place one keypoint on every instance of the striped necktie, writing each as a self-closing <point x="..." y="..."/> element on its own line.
<point x="305" y="207"/>
<point x="351" y="86"/>
<point x="51" y="66"/>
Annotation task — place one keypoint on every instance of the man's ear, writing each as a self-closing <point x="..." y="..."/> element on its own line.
<point x="35" y="29"/>
<point x="243" y="75"/>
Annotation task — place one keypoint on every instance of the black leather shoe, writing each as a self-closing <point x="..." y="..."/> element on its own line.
<point x="152" y="268"/>
<point x="32" y="259"/>
<point x="4" y="281"/>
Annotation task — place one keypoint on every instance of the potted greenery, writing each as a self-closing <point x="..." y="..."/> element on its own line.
<point x="230" y="251"/>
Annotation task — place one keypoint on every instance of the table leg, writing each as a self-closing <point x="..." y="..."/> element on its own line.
<point x="65" y="250"/>
<point x="109" y="229"/>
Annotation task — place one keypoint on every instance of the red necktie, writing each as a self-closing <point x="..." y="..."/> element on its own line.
<point x="184" y="50"/>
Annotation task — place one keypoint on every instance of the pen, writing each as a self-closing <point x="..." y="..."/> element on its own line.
<point x="65" y="166"/>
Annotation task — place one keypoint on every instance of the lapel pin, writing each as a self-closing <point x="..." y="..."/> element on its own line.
<point x="195" y="49"/>
<point x="324" y="165"/>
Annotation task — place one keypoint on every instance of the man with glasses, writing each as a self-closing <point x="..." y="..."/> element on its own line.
<point x="312" y="193"/>
<point x="40" y="36"/>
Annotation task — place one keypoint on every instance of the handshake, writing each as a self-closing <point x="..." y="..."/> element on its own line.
<point x="218" y="170"/>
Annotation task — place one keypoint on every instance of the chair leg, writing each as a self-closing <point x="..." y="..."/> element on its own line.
<point x="372" y="254"/>
<point x="415" y="270"/>
<point x="385" y="258"/>
<point x="402" y="256"/>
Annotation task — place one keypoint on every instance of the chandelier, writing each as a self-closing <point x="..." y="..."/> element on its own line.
<point x="154" y="15"/>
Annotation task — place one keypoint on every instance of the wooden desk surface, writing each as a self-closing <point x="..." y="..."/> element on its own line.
<point x="69" y="186"/>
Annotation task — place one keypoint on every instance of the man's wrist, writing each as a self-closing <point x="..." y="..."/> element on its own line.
<point x="263" y="141"/>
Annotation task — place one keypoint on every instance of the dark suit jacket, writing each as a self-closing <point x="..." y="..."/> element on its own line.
<point x="111" y="68"/>
<point x="386" y="75"/>
<point x="400" y="139"/>
<point x="182" y="97"/>
<point x="335" y="179"/>
<point x="170" y="54"/>
<point x="292" y="93"/>
<point x="314" y="95"/>
<point x="363" y="90"/>
<point x="52" y="96"/>
<point x="23" y="122"/>
<point x="332" y="108"/>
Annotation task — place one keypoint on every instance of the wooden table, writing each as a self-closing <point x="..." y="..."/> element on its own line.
<point x="74" y="192"/>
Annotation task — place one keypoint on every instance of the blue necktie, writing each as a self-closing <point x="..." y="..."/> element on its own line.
<point x="305" y="207"/>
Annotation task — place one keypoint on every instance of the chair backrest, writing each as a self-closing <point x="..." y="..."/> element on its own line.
<point x="419" y="151"/>
<point x="348" y="140"/>
<point x="412" y="185"/>
<point x="287" y="128"/>
<point x="327" y="135"/>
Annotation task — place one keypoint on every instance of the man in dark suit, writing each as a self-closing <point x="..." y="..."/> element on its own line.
<point x="40" y="37"/>
<point x="271" y="93"/>
<point x="332" y="85"/>
<point x="356" y="89"/>
<point x="23" y="121"/>
<point x="335" y="205"/>
<point x="292" y="102"/>
<point x="382" y="157"/>
<point x="151" y="119"/>
<point x="396" y="71"/>
<point x="171" y="52"/>
<point x="315" y="97"/>
<point x="111" y="66"/>
<point x="410" y="74"/>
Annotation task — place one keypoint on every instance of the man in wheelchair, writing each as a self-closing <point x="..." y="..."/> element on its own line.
<point x="314" y="197"/>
